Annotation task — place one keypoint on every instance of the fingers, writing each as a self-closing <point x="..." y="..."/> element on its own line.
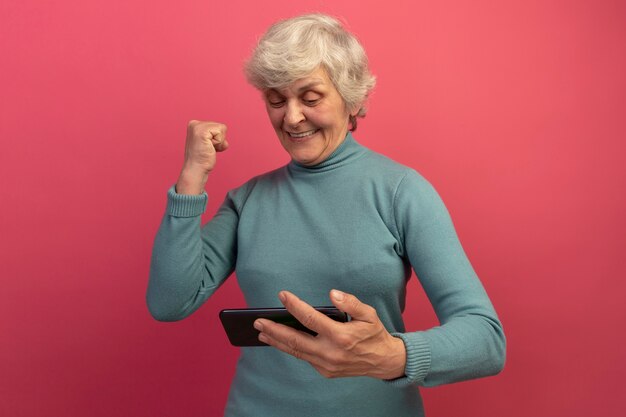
<point x="348" y="303"/>
<point x="218" y="137"/>
<point x="211" y="133"/>
<point x="204" y="140"/>
<point x="307" y="315"/>
<point x="221" y="146"/>
<point x="296" y="343"/>
<point x="303" y="346"/>
<point x="359" y="347"/>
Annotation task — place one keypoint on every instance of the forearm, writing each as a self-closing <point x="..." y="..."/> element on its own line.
<point x="475" y="344"/>
<point x="464" y="348"/>
<point x="176" y="283"/>
<point x="188" y="263"/>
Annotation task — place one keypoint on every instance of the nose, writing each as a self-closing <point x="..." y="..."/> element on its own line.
<point x="293" y="114"/>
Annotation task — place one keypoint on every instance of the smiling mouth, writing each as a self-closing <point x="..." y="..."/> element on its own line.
<point x="303" y="134"/>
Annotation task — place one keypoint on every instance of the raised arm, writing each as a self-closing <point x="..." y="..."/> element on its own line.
<point x="189" y="262"/>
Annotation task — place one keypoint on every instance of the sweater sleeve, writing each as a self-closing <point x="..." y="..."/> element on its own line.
<point x="469" y="342"/>
<point x="189" y="262"/>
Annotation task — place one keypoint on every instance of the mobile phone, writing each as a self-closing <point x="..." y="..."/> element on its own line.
<point x="239" y="323"/>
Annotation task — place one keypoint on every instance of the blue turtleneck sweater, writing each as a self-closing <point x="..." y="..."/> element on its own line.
<point x="357" y="222"/>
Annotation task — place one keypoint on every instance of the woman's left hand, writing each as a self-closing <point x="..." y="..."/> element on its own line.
<point x="360" y="347"/>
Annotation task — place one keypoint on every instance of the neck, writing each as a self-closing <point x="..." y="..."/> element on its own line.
<point x="347" y="151"/>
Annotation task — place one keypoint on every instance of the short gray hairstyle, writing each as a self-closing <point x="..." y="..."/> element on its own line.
<point x="293" y="48"/>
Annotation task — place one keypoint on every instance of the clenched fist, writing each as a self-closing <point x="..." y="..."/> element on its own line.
<point x="204" y="140"/>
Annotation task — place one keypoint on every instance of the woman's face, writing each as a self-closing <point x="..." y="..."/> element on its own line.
<point x="309" y="117"/>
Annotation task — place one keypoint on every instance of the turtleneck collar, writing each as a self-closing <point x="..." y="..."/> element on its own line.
<point x="346" y="152"/>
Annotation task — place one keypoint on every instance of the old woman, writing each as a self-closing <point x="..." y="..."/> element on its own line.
<point x="339" y="221"/>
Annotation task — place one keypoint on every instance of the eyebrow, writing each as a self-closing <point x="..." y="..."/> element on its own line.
<point x="307" y="86"/>
<point x="311" y="84"/>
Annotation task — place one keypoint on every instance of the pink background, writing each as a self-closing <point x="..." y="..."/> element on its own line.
<point x="514" y="110"/>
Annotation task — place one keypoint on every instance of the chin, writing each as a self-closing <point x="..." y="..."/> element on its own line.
<point x="305" y="159"/>
<point x="306" y="154"/>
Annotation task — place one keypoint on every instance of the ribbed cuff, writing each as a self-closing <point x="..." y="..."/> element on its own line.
<point x="417" y="359"/>
<point x="184" y="205"/>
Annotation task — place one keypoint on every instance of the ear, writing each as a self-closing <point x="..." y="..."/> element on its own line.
<point x="356" y="109"/>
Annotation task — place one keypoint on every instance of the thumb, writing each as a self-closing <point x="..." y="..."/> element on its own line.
<point x="357" y="310"/>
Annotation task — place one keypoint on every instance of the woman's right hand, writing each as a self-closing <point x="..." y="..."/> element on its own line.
<point x="204" y="140"/>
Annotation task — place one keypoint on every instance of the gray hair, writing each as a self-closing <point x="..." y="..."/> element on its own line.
<point x="293" y="48"/>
